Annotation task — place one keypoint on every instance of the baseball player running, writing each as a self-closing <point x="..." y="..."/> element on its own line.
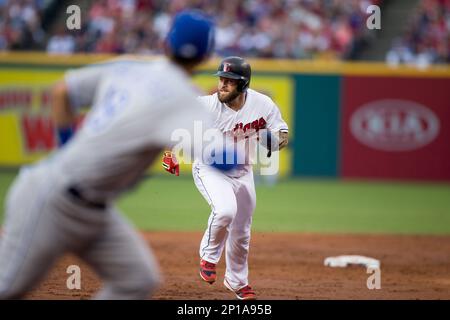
<point x="66" y="202"/>
<point x="237" y="110"/>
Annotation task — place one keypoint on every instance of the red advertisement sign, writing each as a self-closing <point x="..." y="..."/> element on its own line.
<point x="396" y="128"/>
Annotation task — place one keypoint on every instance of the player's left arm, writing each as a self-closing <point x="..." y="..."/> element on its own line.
<point x="275" y="123"/>
<point x="76" y="90"/>
<point x="283" y="139"/>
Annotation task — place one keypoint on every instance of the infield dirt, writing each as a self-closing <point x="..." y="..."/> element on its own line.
<point x="287" y="266"/>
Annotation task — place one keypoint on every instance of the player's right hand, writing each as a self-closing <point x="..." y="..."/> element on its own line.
<point x="170" y="163"/>
<point x="269" y="140"/>
<point x="64" y="134"/>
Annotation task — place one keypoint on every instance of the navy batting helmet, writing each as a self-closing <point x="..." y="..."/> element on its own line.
<point x="191" y="36"/>
<point x="236" y="68"/>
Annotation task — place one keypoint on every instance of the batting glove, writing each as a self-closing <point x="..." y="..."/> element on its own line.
<point x="170" y="163"/>
<point x="269" y="140"/>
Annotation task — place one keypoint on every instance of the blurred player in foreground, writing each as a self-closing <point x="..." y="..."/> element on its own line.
<point x="66" y="202"/>
<point x="239" y="112"/>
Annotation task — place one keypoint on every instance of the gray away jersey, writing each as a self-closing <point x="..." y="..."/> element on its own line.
<point x="136" y="106"/>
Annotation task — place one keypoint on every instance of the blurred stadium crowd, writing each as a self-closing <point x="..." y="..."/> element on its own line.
<point x="21" y="24"/>
<point x="292" y="29"/>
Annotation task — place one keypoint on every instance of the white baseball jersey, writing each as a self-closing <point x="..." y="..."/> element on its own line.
<point x="258" y="112"/>
<point x="135" y="108"/>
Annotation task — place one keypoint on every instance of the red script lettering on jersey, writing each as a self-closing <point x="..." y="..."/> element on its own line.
<point x="256" y="125"/>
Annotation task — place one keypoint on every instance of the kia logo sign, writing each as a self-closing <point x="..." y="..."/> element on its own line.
<point x="394" y="125"/>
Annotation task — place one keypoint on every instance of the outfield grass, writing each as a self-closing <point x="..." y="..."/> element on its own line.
<point x="173" y="203"/>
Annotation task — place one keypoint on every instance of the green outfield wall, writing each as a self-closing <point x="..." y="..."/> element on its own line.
<point x="357" y="120"/>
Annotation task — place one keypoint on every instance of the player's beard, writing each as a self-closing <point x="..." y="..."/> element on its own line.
<point x="228" y="97"/>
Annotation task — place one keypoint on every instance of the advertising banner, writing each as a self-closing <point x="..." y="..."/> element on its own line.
<point x="26" y="132"/>
<point x="396" y="128"/>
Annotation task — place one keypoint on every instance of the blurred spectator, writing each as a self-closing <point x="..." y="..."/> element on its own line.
<point x="427" y="39"/>
<point x="61" y="43"/>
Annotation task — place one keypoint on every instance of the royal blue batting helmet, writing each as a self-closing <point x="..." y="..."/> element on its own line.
<point x="191" y="36"/>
